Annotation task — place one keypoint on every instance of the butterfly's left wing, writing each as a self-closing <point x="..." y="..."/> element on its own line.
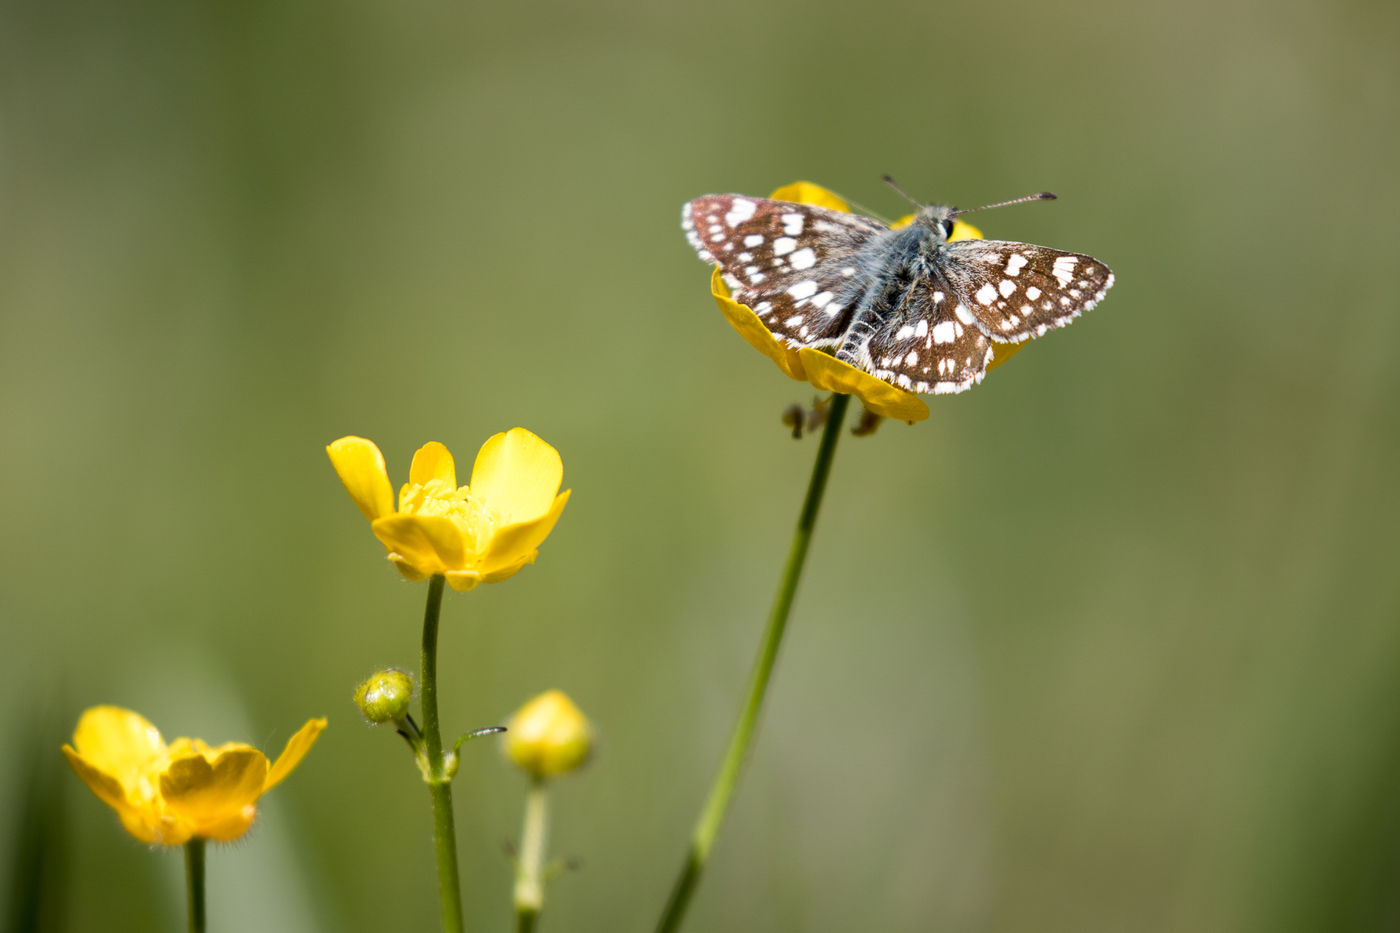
<point x="796" y="265"/>
<point x="1018" y="291"/>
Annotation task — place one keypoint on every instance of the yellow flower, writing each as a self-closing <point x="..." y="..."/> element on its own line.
<point x="481" y="533"/>
<point x="169" y="794"/>
<point x="548" y="736"/>
<point x="822" y="369"/>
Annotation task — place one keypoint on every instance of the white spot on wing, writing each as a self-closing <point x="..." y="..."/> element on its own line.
<point x="784" y="245"/>
<point x="805" y="289"/>
<point x="803" y="259"/>
<point x="740" y="210"/>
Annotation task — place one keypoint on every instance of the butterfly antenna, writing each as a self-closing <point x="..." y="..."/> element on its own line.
<point x="1041" y="196"/>
<point x="889" y="180"/>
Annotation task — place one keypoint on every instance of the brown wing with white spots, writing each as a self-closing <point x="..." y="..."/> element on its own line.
<point x="794" y="264"/>
<point x="930" y="342"/>
<point x="1018" y="291"/>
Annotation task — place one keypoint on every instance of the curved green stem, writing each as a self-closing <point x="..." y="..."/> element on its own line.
<point x="439" y="777"/>
<point x="529" y="869"/>
<point x="722" y="790"/>
<point x="194" y="882"/>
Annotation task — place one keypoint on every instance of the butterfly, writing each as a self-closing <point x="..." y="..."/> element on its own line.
<point x="904" y="305"/>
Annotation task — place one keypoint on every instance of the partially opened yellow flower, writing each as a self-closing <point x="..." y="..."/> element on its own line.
<point x="822" y="369"/>
<point x="170" y="794"/>
<point x="480" y="533"/>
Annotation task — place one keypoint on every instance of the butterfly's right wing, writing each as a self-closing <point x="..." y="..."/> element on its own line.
<point x="796" y="265"/>
<point x="981" y="291"/>
<point x="1020" y="290"/>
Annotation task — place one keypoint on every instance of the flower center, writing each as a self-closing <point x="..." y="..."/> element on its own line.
<point x="437" y="497"/>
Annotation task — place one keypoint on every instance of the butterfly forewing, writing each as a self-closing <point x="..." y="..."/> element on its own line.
<point x="794" y="264"/>
<point x="1018" y="291"/>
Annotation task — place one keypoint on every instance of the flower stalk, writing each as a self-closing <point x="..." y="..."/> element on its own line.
<point x="439" y="771"/>
<point x="194" y="882"/>
<point x="529" y="868"/>
<point x="740" y="741"/>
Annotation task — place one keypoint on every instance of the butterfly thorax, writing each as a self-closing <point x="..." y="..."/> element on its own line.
<point x="893" y="261"/>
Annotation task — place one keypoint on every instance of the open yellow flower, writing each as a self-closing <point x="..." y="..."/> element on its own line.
<point x="822" y="369"/>
<point x="480" y="533"/>
<point x="170" y="794"/>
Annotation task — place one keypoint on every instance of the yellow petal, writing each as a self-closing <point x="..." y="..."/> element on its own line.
<point x="296" y="749"/>
<point x="500" y="572"/>
<point x="209" y="794"/>
<point x="231" y="825"/>
<point x="110" y="791"/>
<point x="463" y="580"/>
<point x="1001" y="352"/>
<point x="515" y="545"/>
<point x="118" y="742"/>
<point x="964" y="231"/>
<point x="753" y="330"/>
<point x="410" y="573"/>
<point x="428" y="543"/>
<point x="360" y="466"/>
<point x="148" y="825"/>
<point x="516" y="476"/>
<point x="804" y="192"/>
<point x="827" y="372"/>
<point x="432" y="461"/>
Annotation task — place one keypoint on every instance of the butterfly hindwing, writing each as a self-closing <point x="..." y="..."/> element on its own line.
<point x="930" y="342"/>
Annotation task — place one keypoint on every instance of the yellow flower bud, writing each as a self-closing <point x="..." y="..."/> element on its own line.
<point x="548" y="736"/>
<point x="384" y="697"/>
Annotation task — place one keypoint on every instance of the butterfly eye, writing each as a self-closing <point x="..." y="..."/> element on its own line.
<point x="947" y="226"/>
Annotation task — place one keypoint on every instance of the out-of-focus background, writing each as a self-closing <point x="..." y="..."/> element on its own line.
<point x="1111" y="642"/>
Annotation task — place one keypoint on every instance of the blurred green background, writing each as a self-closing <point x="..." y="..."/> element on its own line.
<point x="1109" y="643"/>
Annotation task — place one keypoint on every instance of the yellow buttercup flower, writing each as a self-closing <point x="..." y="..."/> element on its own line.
<point x="170" y="794"/>
<point x="822" y="369"/>
<point x="480" y="533"/>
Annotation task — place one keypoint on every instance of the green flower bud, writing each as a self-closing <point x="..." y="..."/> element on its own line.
<point x="548" y="736"/>
<point x="384" y="697"/>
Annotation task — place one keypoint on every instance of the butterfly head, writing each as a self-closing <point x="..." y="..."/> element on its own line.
<point x="937" y="218"/>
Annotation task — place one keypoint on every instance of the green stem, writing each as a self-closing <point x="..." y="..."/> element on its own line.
<point x="194" y="882"/>
<point x="707" y="827"/>
<point x="439" y="777"/>
<point x="529" y="870"/>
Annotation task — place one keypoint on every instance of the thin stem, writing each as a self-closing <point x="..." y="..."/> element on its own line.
<point x="529" y="869"/>
<point x="707" y="827"/>
<point x="439" y="780"/>
<point x="194" y="882"/>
